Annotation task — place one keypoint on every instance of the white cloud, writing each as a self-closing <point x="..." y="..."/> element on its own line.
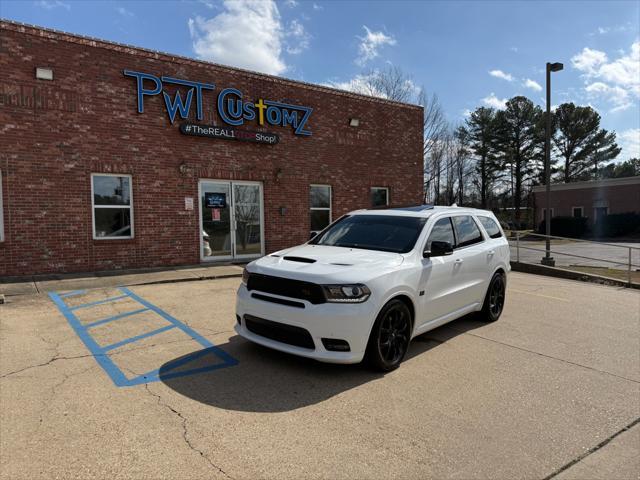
<point x="500" y="74"/>
<point x="247" y="34"/>
<point x="51" y="4"/>
<point x="629" y="140"/>
<point x="363" y="84"/>
<point x="370" y="45"/>
<point x="514" y="49"/>
<point x="297" y="38"/>
<point x="495" y="102"/>
<point x="616" y="95"/>
<point x="616" y="81"/>
<point x="532" y="84"/>
<point x="124" y="12"/>
<point x="317" y="7"/>
<point x="589" y="60"/>
<point x="291" y="3"/>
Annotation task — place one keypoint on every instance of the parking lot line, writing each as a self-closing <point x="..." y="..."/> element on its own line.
<point x="539" y="295"/>
<point x="101" y="354"/>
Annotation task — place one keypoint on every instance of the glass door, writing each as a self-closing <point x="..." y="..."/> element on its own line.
<point x="231" y="220"/>
<point x="215" y="221"/>
<point x="247" y="209"/>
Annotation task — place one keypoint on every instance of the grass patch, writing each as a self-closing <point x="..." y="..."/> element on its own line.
<point x="606" y="272"/>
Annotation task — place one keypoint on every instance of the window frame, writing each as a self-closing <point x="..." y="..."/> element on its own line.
<point x="479" y="227"/>
<point x="329" y="208"/>
<point x="386" y="189"/>
<point x="581" y="211"/>
<point x="1" y="210"/>
<point x="130" y="206"/>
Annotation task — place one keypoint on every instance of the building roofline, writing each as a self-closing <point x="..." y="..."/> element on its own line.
<point x="60" y="35"/>
<point x="607" y="182"/>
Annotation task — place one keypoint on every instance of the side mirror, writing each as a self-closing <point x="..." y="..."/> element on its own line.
<point x="438" y="249"/>
<point x="313" y="234"/>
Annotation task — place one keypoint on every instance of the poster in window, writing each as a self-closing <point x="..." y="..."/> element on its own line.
<point x="215" y="214"/>
<point x="215" y="200"/>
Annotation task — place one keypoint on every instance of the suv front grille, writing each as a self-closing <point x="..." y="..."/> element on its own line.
<point x="286" y="287"/>
<point x="280" y="332"/>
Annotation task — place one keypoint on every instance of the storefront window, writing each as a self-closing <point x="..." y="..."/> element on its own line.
<point x="112" y="210"/>
<point x="379" y="196"/>
<point x="320" y="206"/>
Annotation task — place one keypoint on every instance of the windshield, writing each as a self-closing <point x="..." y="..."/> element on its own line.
<point x="388" y="233"/>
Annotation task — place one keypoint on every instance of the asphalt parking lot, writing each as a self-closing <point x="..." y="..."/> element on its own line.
<point x="90" y="390"/>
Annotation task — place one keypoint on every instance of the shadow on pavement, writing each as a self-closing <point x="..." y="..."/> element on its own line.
<point x="266" y="380"/>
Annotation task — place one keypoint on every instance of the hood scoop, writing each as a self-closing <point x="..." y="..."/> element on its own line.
<point x="299" y="259"/>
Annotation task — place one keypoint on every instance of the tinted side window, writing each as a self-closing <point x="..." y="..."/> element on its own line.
<point x="491" y="227"/>
<point x="442" y="231"/>
<point x="467" y="231"/>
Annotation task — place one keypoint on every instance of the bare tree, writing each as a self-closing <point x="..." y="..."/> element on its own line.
<point x="394" y="84"/>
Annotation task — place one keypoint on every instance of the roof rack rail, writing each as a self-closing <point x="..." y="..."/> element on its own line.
<point x="411" y="208"/>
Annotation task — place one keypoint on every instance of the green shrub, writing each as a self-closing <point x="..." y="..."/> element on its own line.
<point x="617" y="224"/>
<point x="572" y="227"/>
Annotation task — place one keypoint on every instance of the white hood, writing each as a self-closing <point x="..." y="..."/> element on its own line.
<point x="319" y="263"/>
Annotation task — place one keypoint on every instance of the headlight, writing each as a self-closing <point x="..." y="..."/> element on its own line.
<point x="245" y="275"/>
<point x="356" y="293"/>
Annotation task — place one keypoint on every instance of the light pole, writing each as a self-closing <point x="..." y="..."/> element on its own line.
<point x="548" y="259"/>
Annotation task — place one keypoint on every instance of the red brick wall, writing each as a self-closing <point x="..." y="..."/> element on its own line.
<point x="55" y="134"/>
<point x="619" y="199"/>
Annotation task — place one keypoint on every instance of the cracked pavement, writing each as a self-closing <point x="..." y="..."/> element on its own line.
<point x="551" y="390"/>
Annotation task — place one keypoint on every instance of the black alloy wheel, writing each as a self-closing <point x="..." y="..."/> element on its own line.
<point x="494" y="300"/>
<point x="389" y="340"/>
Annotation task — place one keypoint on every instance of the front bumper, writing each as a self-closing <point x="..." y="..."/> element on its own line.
<point x="350" y="322"/>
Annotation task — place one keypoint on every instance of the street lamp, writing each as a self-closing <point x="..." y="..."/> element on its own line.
<point x="548" y="259"/>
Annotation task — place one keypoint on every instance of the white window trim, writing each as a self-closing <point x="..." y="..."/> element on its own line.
<point x="130" y="206"/>
<point x="581" y="210"/>
<point x="544" y="210"/>
<point x="330" y="208"/>
<point x="381" y="188"/>
<point x="1" y="211"/>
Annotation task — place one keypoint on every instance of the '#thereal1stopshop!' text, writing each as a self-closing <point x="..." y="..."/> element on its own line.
<point x="232" y="108"/>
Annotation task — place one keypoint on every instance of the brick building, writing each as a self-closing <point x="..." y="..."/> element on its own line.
<point x="589" y="199"/>
<point x="118" y="157"/>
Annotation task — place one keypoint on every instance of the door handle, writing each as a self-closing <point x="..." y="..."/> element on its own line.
<point x="491" y="252"/>
<point x="459" y="260"/>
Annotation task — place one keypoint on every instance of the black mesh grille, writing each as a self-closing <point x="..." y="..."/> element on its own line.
<point x="279" y="332"/>
<point x="286" y="287"/>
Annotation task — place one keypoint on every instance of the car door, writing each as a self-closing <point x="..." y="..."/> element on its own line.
<point x="472" y="252"/>
<point x="440" y="282"/>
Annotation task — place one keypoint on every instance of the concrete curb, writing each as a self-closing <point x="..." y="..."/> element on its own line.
<point x="570" y="274"/>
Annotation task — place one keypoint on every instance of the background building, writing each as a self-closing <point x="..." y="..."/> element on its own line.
<point x="591" y="199"/>
<point x="118" y="157"/>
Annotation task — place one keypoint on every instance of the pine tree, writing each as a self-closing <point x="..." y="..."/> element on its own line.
<point x="481" y="126"/>
<point x="581" y="142"/>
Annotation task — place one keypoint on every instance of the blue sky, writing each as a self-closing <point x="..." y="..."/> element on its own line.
<point x="469" y="53"/>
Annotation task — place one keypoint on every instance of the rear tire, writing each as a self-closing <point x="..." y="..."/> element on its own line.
<point x="494" y="299"/>
<point x="390" y="336"/>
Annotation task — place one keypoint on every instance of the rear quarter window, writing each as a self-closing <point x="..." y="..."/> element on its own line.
<point x="490" y="226"/>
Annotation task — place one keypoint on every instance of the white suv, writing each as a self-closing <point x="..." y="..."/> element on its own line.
<point x="373" y="280"/>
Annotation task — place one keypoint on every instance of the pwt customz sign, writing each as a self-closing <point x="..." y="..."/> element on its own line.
<point x="232" y="108"/>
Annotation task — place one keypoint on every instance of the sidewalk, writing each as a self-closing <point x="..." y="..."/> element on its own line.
<point x="30" y="285"/>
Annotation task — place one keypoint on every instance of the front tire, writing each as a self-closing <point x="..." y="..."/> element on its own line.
<point x="390" y="336"/>
<point x="494" y="299"/>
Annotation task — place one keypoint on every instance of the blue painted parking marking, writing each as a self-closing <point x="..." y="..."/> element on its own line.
<point x="101" y="353"/>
